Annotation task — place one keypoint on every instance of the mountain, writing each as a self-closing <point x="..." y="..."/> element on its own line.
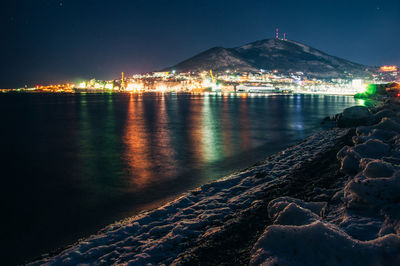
<point x="218" y="59"/>
<point x="272" y="54"/>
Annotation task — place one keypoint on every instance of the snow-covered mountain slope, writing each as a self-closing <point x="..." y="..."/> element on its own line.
<point x="290" y="56"/>
<point x="217" y="59"/>
<point x="273" y="54"/>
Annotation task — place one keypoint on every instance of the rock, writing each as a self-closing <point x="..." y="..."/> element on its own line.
<point x="350" y="164"/>
<point x="377" y="168"/>
<point x="376" y="133"/>
<point x="355" y="116"/>
<point x="383" y="113"/>
<point x="327" y="119"/>
<point x="372" y="148"/>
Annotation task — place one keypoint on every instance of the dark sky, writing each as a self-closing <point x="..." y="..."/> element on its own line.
<point x="47" y="41"/>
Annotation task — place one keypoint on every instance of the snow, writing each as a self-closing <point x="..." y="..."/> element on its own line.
<point x="350" y="157"/>
<point x="293" y="214"/>
<point x="270" y="44"/>
<point x="320" y="243"/>
<point x="159" y="236"/>
<point x="277" y="205"/>
<point x="357" y="222"/>
<point x="360" y="224"/>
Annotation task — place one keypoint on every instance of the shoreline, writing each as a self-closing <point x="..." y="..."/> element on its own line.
<point x="105" y="91"/>
<point x="203" y="189"/>
<point x="183" y="92"/>
<point x="214" y="218"/>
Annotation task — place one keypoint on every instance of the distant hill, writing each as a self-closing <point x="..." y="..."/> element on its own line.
<point x="272" y="54"/>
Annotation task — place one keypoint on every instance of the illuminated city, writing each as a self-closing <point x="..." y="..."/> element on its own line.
<point x="154" y="132"/>
<point x="227" y="82"/>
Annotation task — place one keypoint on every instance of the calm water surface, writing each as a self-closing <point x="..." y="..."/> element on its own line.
<point x="72" y="164"/>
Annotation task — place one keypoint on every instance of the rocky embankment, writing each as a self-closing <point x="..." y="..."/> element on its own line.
<point x="360" y="223"/>
<point x="333" y="199"/>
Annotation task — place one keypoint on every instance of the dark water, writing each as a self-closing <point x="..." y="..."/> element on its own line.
<point x="71" y="164"/>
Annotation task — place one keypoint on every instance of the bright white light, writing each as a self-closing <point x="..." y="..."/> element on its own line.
<point x="215" y="87"/>
<point x="162" y="88"/>
<point x="109" y="86"/>
<point x="134" y="87"/>
<point x="82" y="85"/>
<point x="358" y="85"/>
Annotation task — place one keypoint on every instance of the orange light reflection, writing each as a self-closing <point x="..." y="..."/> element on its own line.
<point x="195" y="129"/>
<point x="137" y="140"/>
<point x="244" y="124"/>
<point x="162" y="149"/>
<point x="226" y="127"/>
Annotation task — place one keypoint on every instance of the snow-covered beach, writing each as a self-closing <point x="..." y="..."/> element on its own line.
<point x="333" y="199"/>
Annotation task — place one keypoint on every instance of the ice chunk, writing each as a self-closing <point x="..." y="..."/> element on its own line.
<point x="392" y="221"/>
<point x="293" y="214"/>
<point x="322" y="244"/>
<point x="373" y="148"/>
<point x="374" y="192"/>
<point x="383" y="135"/>
<point x="361" y="226"/>
<point x="378" y="168"/>
<point x="350" y="156"/>
<point x="385" y="124"/>
<point x="279" y="204"/>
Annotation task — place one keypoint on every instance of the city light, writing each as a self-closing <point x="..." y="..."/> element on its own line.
<point x="161" y="88"/>
<point x="264" y="81"/>
<point x="358" y="85"/>
<point x="134" y="87"/>
<point x="389" y="69"/>
<point x="109" y="86"/>
<point x="82" y="85"/>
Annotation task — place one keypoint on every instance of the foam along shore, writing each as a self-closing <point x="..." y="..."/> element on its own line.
<point x="332" y="199"/>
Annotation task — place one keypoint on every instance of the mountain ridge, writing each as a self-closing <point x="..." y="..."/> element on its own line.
<point x="284" y="56"/>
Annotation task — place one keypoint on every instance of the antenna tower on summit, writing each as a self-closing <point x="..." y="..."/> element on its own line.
<point x="284" y="36"/>
<point x="277" y="33"/>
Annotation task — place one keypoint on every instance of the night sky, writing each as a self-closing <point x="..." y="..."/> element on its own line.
<point x="45" y="41"/>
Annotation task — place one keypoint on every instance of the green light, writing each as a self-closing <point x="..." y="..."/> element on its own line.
<point x="370" y="90"/>
<point x="360" y="102"/>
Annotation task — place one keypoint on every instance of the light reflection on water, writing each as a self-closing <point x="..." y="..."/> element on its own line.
<point x="137" y="143"/>
<point x="99" y="158"/>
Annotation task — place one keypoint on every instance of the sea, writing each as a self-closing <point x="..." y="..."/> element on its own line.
<point x="73" y="163"/>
